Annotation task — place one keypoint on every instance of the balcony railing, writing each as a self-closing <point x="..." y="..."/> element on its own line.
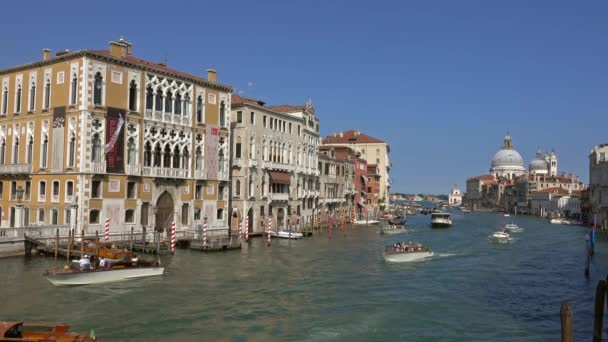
<point x="55" y="198"/>
<point x="222" y="175"/>
<point x="279" y="196"/>
<point x="253" y="163"/>
<point x="168" y="117"/>
<point x="16" y="168"/>
<point x="237" y="162"/>
<point x="132" y="170"/>
<point x="166" y="172"/>
<point x="98" y="167"/>
<point x="199" y="174"/>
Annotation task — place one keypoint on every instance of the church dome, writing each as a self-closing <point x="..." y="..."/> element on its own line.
<point x="539" y="164"/>
<point x="507" y="158"/>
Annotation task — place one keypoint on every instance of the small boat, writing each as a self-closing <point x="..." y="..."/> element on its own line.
<point x="465" y="211"/>
<point x="33" y="332"/>
<point x="407" y="252"/>
<point x="441" y="220"/>
<point x="506" y="215"/>
<point x="286" y="234"/>
<point x="512" y="228"/>
<point x="559" y="221"/>
<point x="115" y="270"/>
<point x="366" y="222"/>
<point x="501" y="235"/>
<point x="397" y="220"/>
<point x="393" y="229"/>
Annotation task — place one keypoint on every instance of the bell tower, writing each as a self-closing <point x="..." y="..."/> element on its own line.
<point x="507" y="144"/>
<point x="553" y="163"/>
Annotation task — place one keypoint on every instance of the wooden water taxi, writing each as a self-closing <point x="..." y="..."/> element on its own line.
<point x="39" y="332"/>
<point x="114" y="271"/>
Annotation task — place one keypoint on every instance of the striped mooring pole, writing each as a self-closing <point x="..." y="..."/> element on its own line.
<point x="269" y="229"/>
<point x="173" y="238"/>
<point x="205" y="234"/>
<point x="107" y="237"/>
<point x="247" y="228"/>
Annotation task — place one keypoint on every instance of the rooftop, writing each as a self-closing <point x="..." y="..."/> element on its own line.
<point x="351" y="137"/>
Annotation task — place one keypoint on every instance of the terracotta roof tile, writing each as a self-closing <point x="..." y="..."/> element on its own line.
<point x="351" y="137"/>
<point x="287" y="108"/>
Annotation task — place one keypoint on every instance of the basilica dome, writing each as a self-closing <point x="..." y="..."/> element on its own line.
<point x="507" y="163"/>
<point x="538" y="165"/>
<point x="507" y="158"/>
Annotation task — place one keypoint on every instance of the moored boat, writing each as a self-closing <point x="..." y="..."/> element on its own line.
<point x="286" y="234"/>
<point x="441" y="220"/>
<point x="115" y="270"/>
<point x="366" y="222"/>
<point x="407" y="252"/>
<point x="33" y="332"/>
<point x="398" y="220"/>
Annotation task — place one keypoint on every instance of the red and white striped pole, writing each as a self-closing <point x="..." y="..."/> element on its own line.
<point x="329" y="225"/>
<point x="107" y="229"/>
<point x="247" y="228"/>
<point x="173" y="238"/>
<point x="269" y="229"/>
<point x="240" y="229"/>
<point x="205" y="233"/>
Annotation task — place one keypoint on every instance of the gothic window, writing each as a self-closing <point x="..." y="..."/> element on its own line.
<point x="178" y="104"/>
<point x="3" y="151"/>
<point x="199" y="109"/>
<point x="149" y="98"/>
<point x="75" y="89"/>
<point x="4" y="101"/>
<point x="237" y="150"/>
<point x="237" y="190"/>
<point x="72" y="150"/>
<point x="97" y="89"/>
<point x="96" y="142"/>
<point x="148" y="154"/>
<point x="158" y="100"/>
<point x="133" y="96"/>
<point x="187" y="105"/>
<point x="30" y="150"/>
<point x="186" y="159"/>
<point x="167" y="156"/>
<point x="18" y="100"/>
<point x="252" y="148"/>
<point x="16" y="150"/>
<point x="199" y="159"/>
<point x="157" y="155"/>
<point x="168" y="103"/>
<point x="222" y="114"/>
<point x="32" y="97"/>
<point x="47" y="94"/>
<point x="45" y="151"/>
<point x="131" y="153"/>
<point x="250" y="186"/>
<point x="176" y="157"/>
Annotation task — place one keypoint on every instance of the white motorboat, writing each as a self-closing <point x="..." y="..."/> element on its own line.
<point x="393" y="229"/>
<point x="559" y="221"/>
<point x="506" y="215"/>
<point x="501" y="235"/>
<point x="441" y="219"/>
<point x="512" y="227"/>
<point x="286" y="234"/>
<point x="114" y="271"/>
<point x="366" y="222"/>
<point x="408" y="252"/>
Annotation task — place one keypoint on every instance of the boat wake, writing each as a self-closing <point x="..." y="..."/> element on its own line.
<point x="445" y="255"/>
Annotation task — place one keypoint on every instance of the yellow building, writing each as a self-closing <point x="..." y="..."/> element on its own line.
<point x="97" y="134"/>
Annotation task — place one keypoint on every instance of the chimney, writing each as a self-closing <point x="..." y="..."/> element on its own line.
<point x="341" y="135"/>
<point x="211" y="75"/>
<point x="46" y="54"/>
<point x="129" y="45"/>
<point x="118" y="49"/>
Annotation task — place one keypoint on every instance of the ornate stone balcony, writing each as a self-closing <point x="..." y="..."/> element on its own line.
<point x="237" y="162"/>
<point x="252" y="163"/>
<point x="133" y="170"/>
<point x="279" y="196"/>
<point x="97" y="167"/>
<point x="177" y="119"/>
<point x="16" y="169"/>
<point x="166" y="172"/>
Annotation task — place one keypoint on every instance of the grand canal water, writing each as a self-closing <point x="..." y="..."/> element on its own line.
<point x="319" y="289"/>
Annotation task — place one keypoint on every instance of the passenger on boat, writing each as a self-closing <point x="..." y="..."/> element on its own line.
<point x="85" y="263"/>
<point x="102" y="262"/>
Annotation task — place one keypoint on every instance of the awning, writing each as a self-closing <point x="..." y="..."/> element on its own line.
<point x="279" y="177"/>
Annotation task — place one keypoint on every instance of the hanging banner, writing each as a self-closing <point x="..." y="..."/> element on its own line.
<point x="58" y="138"/>
<point x="211" y="152"/>
<point x="114" y="149"/>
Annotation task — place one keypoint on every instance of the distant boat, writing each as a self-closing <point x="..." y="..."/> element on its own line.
<point x="465" y="211"/>
<point x="286" y="234"/>
<point x="407" y="252"/>
<point x="501" y="235"/>
<point x="441" y="220"/>
<point x="513" y="228"/>
<point x="393" y="229"/>
<point x="506" y="215"/>
<point x="566" y="222"/>
<point x="114" y="271"/>
<point x="366" y="222"/>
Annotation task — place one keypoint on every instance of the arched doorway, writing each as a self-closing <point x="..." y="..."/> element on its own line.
<point x="250" y="216"/>
<point x="280" y="218"/>
<point x="234" y="223"/>
<point x="164" y="211"/>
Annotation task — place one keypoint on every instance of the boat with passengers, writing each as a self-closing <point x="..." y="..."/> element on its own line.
<point x="407" y="252"/>
<point x="441" y="219"/>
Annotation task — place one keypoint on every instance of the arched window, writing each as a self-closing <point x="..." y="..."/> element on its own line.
<point x="72" y="150"/>
<point x="250" y="186"/>
<point x="251" y="148"/>
<point x="75" y="88"/>
<point x="129" y="216"/>
<point x="168" y="102"/>
<point x="18" y="100"/>
<point x="45" y="151"/>
<point x="16" y="150"/>
<point x="131" y="153"/>
<point x="69" y="191"/>
<point x="133" y="96"/>
<point x="2" y="151"/>
<point x="149" y="98"/>
<point x="147" y="154"/>
<point x="96" y="142"/>
<point x="199" y="109"/>
<point x="30" y="150"/>
<point x="167" y="156"/>
<point x="198" y="159"/>
<point x="97" y="89"/>
<point x="176" y="157"/>
<point x="237" y="149"/>
<point x="47" y="94"/>
<point x="157" y="156"/>
<point x="4" y="101"/>
<point x="32" y="97"/>
<point x="187" y="105"/>
<point x="178" y="103"/>
<point x="94" y="216"/>
<point x="222" y="114"/>
<point x="237" y="188"/>
<point x="158" y="101"/>
<point x="186" y="159"/>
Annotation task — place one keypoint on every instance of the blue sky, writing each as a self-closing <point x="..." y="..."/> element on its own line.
<point x="441" y="81"/>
